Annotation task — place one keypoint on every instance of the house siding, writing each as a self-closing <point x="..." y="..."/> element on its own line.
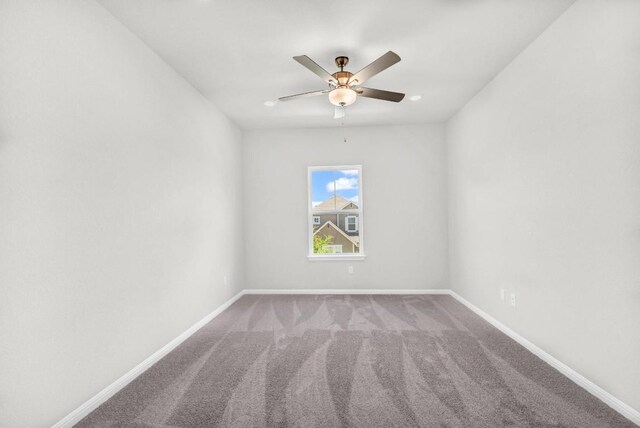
<point x="348" y="246"/>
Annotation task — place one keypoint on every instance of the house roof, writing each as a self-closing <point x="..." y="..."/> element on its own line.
<point x="354" y="239"/>
<point x="335" y="203"/>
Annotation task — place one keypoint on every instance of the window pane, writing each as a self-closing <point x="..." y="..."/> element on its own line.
<point x="334" y="190"/>
<point x="329" y="241"/>
<point x="334" y="230"/>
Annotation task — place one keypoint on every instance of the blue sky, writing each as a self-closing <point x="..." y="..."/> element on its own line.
<point x="322" y="184"/>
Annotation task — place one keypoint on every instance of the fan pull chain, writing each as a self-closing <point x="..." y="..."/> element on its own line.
<point x="345" y="136"/>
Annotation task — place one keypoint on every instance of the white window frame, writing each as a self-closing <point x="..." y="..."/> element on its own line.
<point x="346" y="223"/>
<point x="316" y="217"/>
<point x="360" y="222"/>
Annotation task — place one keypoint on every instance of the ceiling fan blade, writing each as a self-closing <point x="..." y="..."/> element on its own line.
<point x="304" y="95"/>
<point x="319" y="71"/>
<point x="381" y="64"/>
<point x="379" y="94"/>
<point x="338" y="113"/>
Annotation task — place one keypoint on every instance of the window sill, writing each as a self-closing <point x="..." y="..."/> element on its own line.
<point x="334" y="257"/>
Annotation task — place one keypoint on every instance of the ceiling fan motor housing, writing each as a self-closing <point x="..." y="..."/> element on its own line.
<point x="342" y="77"/>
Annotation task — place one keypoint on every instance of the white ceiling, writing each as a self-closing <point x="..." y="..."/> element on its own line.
<point x="238" y="53"/>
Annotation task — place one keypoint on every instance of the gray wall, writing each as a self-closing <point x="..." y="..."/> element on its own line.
<point x="119" y="206"/>
<point x="544" y="176"/>
<point x="405" y="219"/>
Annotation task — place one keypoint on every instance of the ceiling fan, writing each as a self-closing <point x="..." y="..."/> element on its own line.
<point x="344" y="86"/>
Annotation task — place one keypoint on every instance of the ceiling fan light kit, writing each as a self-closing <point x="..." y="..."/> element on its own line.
<point x="342" y="96"/>
<point x="344" y="86"/>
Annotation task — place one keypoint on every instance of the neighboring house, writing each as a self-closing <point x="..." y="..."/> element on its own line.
<point x="343" y="227"/>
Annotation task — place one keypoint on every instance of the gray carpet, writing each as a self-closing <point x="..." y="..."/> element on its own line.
<point x="351" y="361"/>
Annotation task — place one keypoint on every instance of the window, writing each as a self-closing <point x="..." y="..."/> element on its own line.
<point x="335" y="212"/>
<point x="351" y="223"/>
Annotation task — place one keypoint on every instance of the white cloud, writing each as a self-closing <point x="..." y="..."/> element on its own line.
<point x="342" y="183"/>
<point x="350" y="172"/>
<point x="315" y="203"/>
<point x="355" y="199"/>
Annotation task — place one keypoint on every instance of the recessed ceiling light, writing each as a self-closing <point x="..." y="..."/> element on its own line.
<point x="269" y="103"/>
<point x="415" y="97"/>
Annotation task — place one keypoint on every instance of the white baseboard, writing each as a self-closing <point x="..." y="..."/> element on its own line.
<point x="78" y="414"/>
<point x="613" y="402"/>
<point x="93" y="403"/>
<point x="344" y="291"/>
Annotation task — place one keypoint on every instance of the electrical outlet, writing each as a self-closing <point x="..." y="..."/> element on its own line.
<point x="350" y="269"/>
<point x="513" y="299"/>
<point x="502" y="294"/>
